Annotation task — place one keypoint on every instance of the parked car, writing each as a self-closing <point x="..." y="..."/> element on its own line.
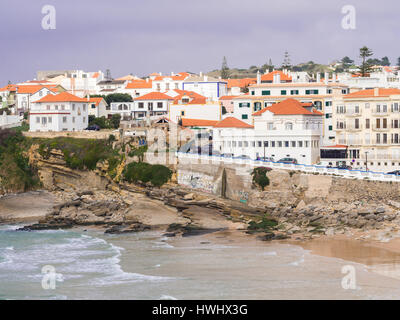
<point x="94" y="127"/>
<point x="395" y="172"/>
<point x="266" y="159"/>
<point x="243" y="156"/>
<point x="288" y="160"/>
<point x="227" y="155"/>
<point x="344" y="166"/>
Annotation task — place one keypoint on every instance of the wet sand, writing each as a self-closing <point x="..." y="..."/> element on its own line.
<point x="25" y="207"/>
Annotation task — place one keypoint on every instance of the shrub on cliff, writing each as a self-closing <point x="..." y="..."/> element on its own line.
<point x="143" y="172"/>
<point x="260" y="176"/>
<point x="80" y="153"/>
<point x="15" y="172"/>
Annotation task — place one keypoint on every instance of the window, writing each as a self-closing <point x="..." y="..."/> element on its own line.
<point x="366" y="123"/>
<point x="283" y="92"/>
<point x="73" y="107"/>
<point x="141" y="105"/>
<point x="56" y="107"/>
<point x="244" y="104"/>
<point x="293" y="143"/>
<point x="294" y="92"/>
<point x="311" y="91"/>
<point x="330" y="128"/>
<point x="84" y="108"/>
<point x="50" y="120"/>
<point x="328" y="103"/>
<point x="289" y="126"/>
<point x="270" y="126"/>
<point x="245" y="116"/>
<point x="253" y="92"/>
<point x="300" y="144"/>
<point x="266" y="92"/>
<point x="182" y="113"/>
<point x="64" y="119"/>
<point x="93" y="106"/>
<point x="159" y="105"/>
<point x="84" y="119"/>
<point x="44" y="121"/>
<point x="286" y="144"/>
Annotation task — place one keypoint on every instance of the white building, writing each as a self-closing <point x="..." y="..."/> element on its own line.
<point x="165" y="83"/>
<point x="61" y="112"/>
<point x="150" y="105"/>
<point x="137" y="88"/>
<point x="288" y="129"/>
<point x="98" y="107"/>
<point x="28" y="94"/>
<point x="209" y="87"/>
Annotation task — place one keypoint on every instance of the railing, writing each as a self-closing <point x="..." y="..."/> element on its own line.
<point x="314" y="169"/>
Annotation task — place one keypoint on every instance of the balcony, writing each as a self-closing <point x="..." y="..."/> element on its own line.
<point x="380" y="113"/>
<point x="353" y="113"/>
<point x="353" y="127"/>
<point x="380" y="128"/>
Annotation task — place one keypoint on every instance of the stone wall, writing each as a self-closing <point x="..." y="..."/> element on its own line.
<point x="286" y="187"/>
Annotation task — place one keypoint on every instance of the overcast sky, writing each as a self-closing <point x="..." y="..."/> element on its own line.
<point x="144" y="36"/>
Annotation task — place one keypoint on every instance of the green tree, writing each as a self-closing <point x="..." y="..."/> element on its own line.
<point x="346" y="62"/>
<point x="118" y="97"/>
<point x="365" y="67"/>
<point x="115" y="120"/>
<point x="260" y="176"/>
<point x="224" y="69"/>
<point x="385" y="61"/>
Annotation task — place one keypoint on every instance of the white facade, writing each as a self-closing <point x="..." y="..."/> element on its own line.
<point x="24" y="100"/>
<point x="206" y="86"/>
<point x="209" y="111"/>
<point x="278" y="136"/>
<point x="58" y="116"/>
<point x="140" y="109"/>
<point x="98" y="107"/>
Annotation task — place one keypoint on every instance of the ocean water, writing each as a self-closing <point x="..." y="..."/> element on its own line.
<point x="91" y="265"/>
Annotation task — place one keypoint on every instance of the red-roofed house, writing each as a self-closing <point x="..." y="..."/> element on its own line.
<point x="60" y="112"/>
<point x="98" y="107"/>
<point x="137" y="88"/>
<point x="28" y="94"/>
<point x="289" y="129"/>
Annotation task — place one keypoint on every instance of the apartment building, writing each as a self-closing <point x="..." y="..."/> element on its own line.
<point x="288" y="129"/>
<point x="60" y="112"/>
<point x="209" y="87"/>
<point x="367" y="124"/>
<point x="169" y="82"/>
<point x="262" y="95"/>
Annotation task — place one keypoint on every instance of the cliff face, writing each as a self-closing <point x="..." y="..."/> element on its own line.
<point x="55" y="175"/>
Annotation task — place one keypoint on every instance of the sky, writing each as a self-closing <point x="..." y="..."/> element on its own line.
<point x="145" y="36"/>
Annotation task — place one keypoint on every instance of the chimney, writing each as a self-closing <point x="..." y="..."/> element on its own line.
<point x="326" y="76"/>
<point x="278" y="78"/>
<point x="172" y="73"/>
<point x="147" y="79"/>
<point x="258" y="77"/>
<point x="318" y="77"/>
<point x="376" y="92"/>
<point x="201" y="74"/>
<point x="334" y="77"/>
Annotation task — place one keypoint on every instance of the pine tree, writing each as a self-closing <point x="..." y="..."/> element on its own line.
<point x="286" y="61"/>
<point x="365" y="67"/>
<point x="224" y="69"/>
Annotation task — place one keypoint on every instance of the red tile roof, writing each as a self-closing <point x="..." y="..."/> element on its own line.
<point x="270" y="76"/>
<point x="241" y="83"/>
<point x="227" y="97"/>
<point x="231" y="122"/>
<point x="336" y="146"/>
<point x="62" y="97"/>
<point x="176" y="77"/>
<point x="154" y="96"/>
<point x="9" y="87"/>
<point x="289" y="107"/>
<point x="195" y="98"/>
<point x="31" y="89"/>
<point x="139" y="84"/>
<point x="198" y="123"/>
<point x="96" y="100"/>
<point x="371" y="93"/>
